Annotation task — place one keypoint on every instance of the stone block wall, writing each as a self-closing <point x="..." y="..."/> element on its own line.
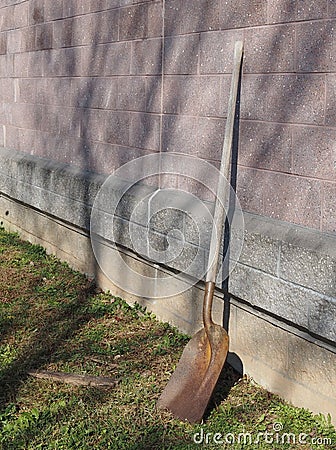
<point x="97" y="83"/>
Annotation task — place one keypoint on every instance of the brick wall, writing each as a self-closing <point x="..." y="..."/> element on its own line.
<point x="97" y="83"/>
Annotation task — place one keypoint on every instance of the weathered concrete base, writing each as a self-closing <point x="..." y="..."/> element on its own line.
<point x="284" y="269"/>
<point x="285" y="361"/>
<point x="278" y="356"/>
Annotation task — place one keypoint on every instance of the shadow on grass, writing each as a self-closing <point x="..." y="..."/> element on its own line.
<point x="52" y="330"/>
<point x="227" y="379"/>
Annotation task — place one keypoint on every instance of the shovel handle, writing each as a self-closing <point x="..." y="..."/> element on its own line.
<point x="207" y="304"/>
<point x="222" y="192"/>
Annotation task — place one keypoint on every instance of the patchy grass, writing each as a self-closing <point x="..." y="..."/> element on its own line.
<point x="53" y="318"/>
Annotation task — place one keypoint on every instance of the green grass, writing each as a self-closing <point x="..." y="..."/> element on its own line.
<point x="55" y="319"/>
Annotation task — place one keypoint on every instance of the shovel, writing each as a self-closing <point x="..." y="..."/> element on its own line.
<point x="189" y="389"/>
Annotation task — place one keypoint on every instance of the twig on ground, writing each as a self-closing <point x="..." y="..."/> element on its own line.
<point x="75" y="379"/>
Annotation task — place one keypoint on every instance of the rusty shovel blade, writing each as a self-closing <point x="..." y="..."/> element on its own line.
<point x="190" y="387"/>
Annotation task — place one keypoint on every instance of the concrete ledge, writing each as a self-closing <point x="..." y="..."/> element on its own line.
<point x="287" y="270"/>
<point x="278" y="356"/>
<point x="302" y="306"/>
